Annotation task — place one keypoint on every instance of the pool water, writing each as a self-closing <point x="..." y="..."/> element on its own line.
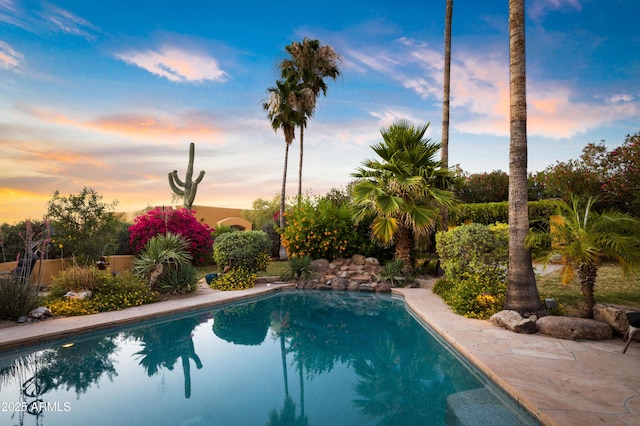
<point x="294" y="358"/>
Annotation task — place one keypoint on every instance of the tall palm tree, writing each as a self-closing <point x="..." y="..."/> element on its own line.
<point x="308" y="65"/>
<point x="522" y="293"/>
<point x="585" y="238"/>
<point x="402" y="190"/>
<point x="281" y="110"/>
<point x="444" y="156"/>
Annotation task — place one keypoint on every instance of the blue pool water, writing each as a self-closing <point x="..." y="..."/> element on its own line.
<point x="294" y="358"/>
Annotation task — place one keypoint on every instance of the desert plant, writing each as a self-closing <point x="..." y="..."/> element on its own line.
<point x="298" y="268"/>
<point x="393" y="271"/>
<point x="181" y="280"/>
<point x="78" y="278"/>
<point x="248" y="249"/>
<point x="189" y="186"/>
<point x="17" y="298"/>
<point x="161" y="254"/>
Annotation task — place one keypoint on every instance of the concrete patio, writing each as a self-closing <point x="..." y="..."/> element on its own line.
<point x="561" y="382"/>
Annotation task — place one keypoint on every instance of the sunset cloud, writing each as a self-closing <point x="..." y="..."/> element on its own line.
<point x="152" y="126"/>
<point x="176" y="64"/>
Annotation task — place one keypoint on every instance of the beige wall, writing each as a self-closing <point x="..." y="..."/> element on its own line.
<point x="213" y="216"/>
<point x="45" y="270"/>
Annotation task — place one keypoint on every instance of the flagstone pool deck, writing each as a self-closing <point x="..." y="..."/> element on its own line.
<point x="561" y="382"/>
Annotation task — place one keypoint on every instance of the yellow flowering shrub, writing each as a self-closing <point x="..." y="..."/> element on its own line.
<point x="235" y="279"/>
<point x="115" y="293"/>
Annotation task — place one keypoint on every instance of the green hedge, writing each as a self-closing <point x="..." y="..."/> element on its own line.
<point x="489" y="213"/>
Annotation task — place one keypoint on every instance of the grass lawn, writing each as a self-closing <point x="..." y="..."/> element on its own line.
<point x="274" y="268"/>
<point x="611" y="287"/>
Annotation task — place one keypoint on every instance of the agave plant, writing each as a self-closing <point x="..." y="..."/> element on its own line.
<point x="393" y="271"/>
<point x="298" y="268"/>
<point x="162" y="254"/>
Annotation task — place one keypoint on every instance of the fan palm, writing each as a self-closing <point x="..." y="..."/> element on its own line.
<point x="402" y="190"/>
<point x="308" y="65"/>
<point x="585" y="237"/>
<point x="283" y="113"/>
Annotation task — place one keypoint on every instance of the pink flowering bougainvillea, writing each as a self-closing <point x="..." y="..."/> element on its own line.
<point x="180" y="221"/>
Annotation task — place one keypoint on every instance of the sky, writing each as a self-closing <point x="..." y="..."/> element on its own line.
<point x="109" y="94"/>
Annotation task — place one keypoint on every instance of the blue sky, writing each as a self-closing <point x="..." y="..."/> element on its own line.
<point x="109" y="94"/>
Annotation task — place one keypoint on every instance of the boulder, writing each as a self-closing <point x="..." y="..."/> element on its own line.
<point x="384" y="287"/>
<point x="320" y="265"/>
<point x="340" y="283"/>
<point x="337" y="263"/>
<point x="512" y="320"/>
<point x="358" y="259"/>
<point x="571" y="328"/>
<point x="614" y="315"/>
<point x="372" y="261"/>
<point x="40" y="313"/>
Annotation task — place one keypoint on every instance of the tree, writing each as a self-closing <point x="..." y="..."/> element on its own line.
<point x="522" y="293"/>
<point x="585" y="237"/>
<point x="402" y="190"/>
<point x="283" y="114"/>
<point x="444" y="157"/>
<point x="82" y="223"/>
<point x="308" y="65"/>
<point x="622" y="181"/>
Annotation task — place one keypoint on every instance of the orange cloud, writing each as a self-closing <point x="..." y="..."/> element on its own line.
<point x="149" y="126"/>
<point x="176" y="64"/>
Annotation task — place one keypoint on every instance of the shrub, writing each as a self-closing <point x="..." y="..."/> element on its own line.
<point x="474" y="295"/>
<point x="298" y="268"/>
<point x="121" y="291"/>
<point x="112" y="294"/>
<point x="182" y="222"/>
<point x="274" y="239"/>
<point x="474" y="258"/>
<point x="236" y="279"/>
<point x="473" y="247"/>
<point x="320" y="229"/>
<point x="247" y="249"/>
<point x="17" y="298"/>
<point x="78" y="278"/>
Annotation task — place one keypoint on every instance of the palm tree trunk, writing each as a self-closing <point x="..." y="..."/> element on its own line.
<point x="447" y="85"/>
<point x="522" y="293"/>
<point x="300" y="165"/>
<point x="587" y="274"/>
<point x="444" y="149"/>
<point x="403" y="248"/>
<point x="284" y="184"/>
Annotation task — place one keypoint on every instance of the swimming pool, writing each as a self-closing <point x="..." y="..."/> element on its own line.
<point x="295" y="358"/>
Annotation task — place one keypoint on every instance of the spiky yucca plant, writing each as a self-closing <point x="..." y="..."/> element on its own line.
<point x="162" y="254"/>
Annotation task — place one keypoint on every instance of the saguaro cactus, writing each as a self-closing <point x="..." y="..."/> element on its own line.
<point x="190" y="186"/>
